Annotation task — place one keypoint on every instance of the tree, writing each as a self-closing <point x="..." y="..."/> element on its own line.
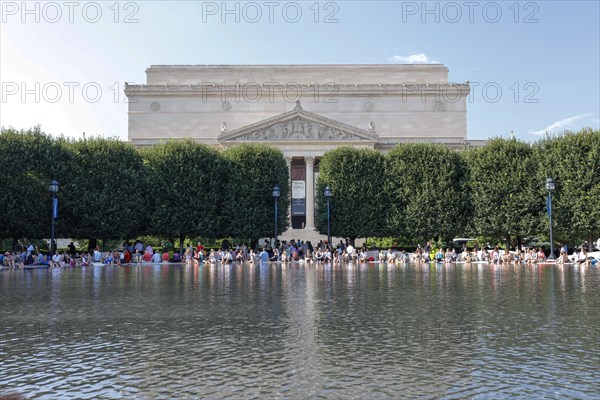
<point x="249" y="207"/>
<point x="189" y="187"/>
<point x="505" y="191"/>
<point x="573" y="161"/>
<point x="106" y="190"/>
<point x="30" y="160"/>
<point x="427" y="189"/>
<point x="356" y="177"/>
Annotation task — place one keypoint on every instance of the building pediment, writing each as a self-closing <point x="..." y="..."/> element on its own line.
<point x="298" y="125"/>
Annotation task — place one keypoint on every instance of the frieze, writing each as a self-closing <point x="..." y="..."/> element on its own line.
<point x="298" y="129"/>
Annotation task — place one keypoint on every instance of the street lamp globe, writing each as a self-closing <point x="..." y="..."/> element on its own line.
<point x="276" y="192"/>
<point x="550" y="184"/>
<point x="328" y="192"/>
<point x="54" y="186"/>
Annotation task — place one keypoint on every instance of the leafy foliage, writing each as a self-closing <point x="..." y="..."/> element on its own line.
<point x="111" y="190"/>
<point x="188" y="185"/>
<point x="249" y="207"/>
<point x="573" y="161"/>
<point x="358" y="205"/>
<point x="505" y="190"/>
<point x="29" y="161"/>
<point x="104" y="194"/>
<point x="426" y="187"/>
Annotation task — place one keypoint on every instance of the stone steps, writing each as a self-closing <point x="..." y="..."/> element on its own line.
<point x="312" y="235"/>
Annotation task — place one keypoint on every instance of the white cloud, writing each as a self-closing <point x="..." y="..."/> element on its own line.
<point x="420" y="58"/>
<point x="563" y="124"/>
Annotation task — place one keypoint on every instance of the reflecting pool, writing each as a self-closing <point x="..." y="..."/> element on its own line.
<point x="295" y="331"/>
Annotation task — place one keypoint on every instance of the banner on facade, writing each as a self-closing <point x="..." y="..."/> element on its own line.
<point x="298" y="207"/>
<point x="298" y="190"/>
<point x="55" y="207"/>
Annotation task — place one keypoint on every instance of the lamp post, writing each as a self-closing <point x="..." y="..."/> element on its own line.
<point x="550" y="187"/>
<point x="276" y="194"/>
<point x="328" y="194"/>
<point x="54" y="186"/>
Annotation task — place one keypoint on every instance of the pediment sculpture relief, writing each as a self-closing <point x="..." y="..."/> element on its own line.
<point x="298" y="129"/>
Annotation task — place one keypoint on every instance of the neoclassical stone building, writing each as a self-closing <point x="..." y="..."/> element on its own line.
<point x="304" y="110"/>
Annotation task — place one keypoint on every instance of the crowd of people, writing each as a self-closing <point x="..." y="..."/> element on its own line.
<point x="286" y="252"/>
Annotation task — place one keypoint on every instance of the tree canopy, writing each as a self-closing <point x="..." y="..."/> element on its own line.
<point x="249" y="206"/>
<point x="426" y="186"/>
<point x="358" y="206"/>
<point x="188" y="186"/>
<point x="111" y="190"/>
<point x="504" y="190"/>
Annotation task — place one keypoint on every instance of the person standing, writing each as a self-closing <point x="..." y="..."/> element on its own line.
<point x="264" y="256"/>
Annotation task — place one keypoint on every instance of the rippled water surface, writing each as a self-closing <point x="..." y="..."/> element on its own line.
<point x="295" y="331"/>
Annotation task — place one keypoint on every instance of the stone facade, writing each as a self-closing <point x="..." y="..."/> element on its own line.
<point x="304" y="110"/>
<point x="402" y="102"/>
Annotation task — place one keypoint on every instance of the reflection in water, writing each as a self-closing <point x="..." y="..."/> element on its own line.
<point x="352" y="330"/>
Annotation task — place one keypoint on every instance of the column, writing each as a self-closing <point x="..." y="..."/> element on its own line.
<point x="310" y="193"/>
<point x="289" y="183"/>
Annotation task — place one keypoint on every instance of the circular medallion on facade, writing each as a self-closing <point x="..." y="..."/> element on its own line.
<point x="226" y="106"/>
<point x="155" y="106"/>
<point x="368" y="106"/>
<point x="440" y="106"/>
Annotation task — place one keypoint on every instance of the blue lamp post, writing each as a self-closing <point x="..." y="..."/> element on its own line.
<point x="328" y="194"/>
<point x="276" y="194"/>
<point x="54" y="186"/>
<point x="550" y="188"/>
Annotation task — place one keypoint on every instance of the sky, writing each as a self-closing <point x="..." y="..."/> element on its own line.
<point x="533" y="66"/>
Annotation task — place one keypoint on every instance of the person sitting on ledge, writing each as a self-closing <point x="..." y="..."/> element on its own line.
<point x="327" y="255"/>
<point x="29" y="260"/>
<point x="274" y="258"/>
<point x="97" y="255"/>
<point x="126" y="256"/>
<point x="137" y="257"/>
<point x="391" y="256"/>
<point x="165" y="256"/>
<point x="308" y="258"/>
<point x="156" y="257"/>
<point x="212" y="258"/>
<point x="563" y="258"/>
<point x="319" y="255"/>
<point x="147" y="257"/>
<point x="239" y="256"/>
<point x="177" y="257"/>
<point x="518" y="257"/>
<point x="41" y="259"/>
<point x="345" y="257"/>
<point x="55" y="262"/>
<point x="336" y="257"/>
<point x="583" y="257"/>
<point x="363" y="256"/>
<point x="507" y="258"/>
<point x="116" y="257"/>
<point x="439" y="256"/>
<point x="541" y="256"/>
<point x="109" y="260"/>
